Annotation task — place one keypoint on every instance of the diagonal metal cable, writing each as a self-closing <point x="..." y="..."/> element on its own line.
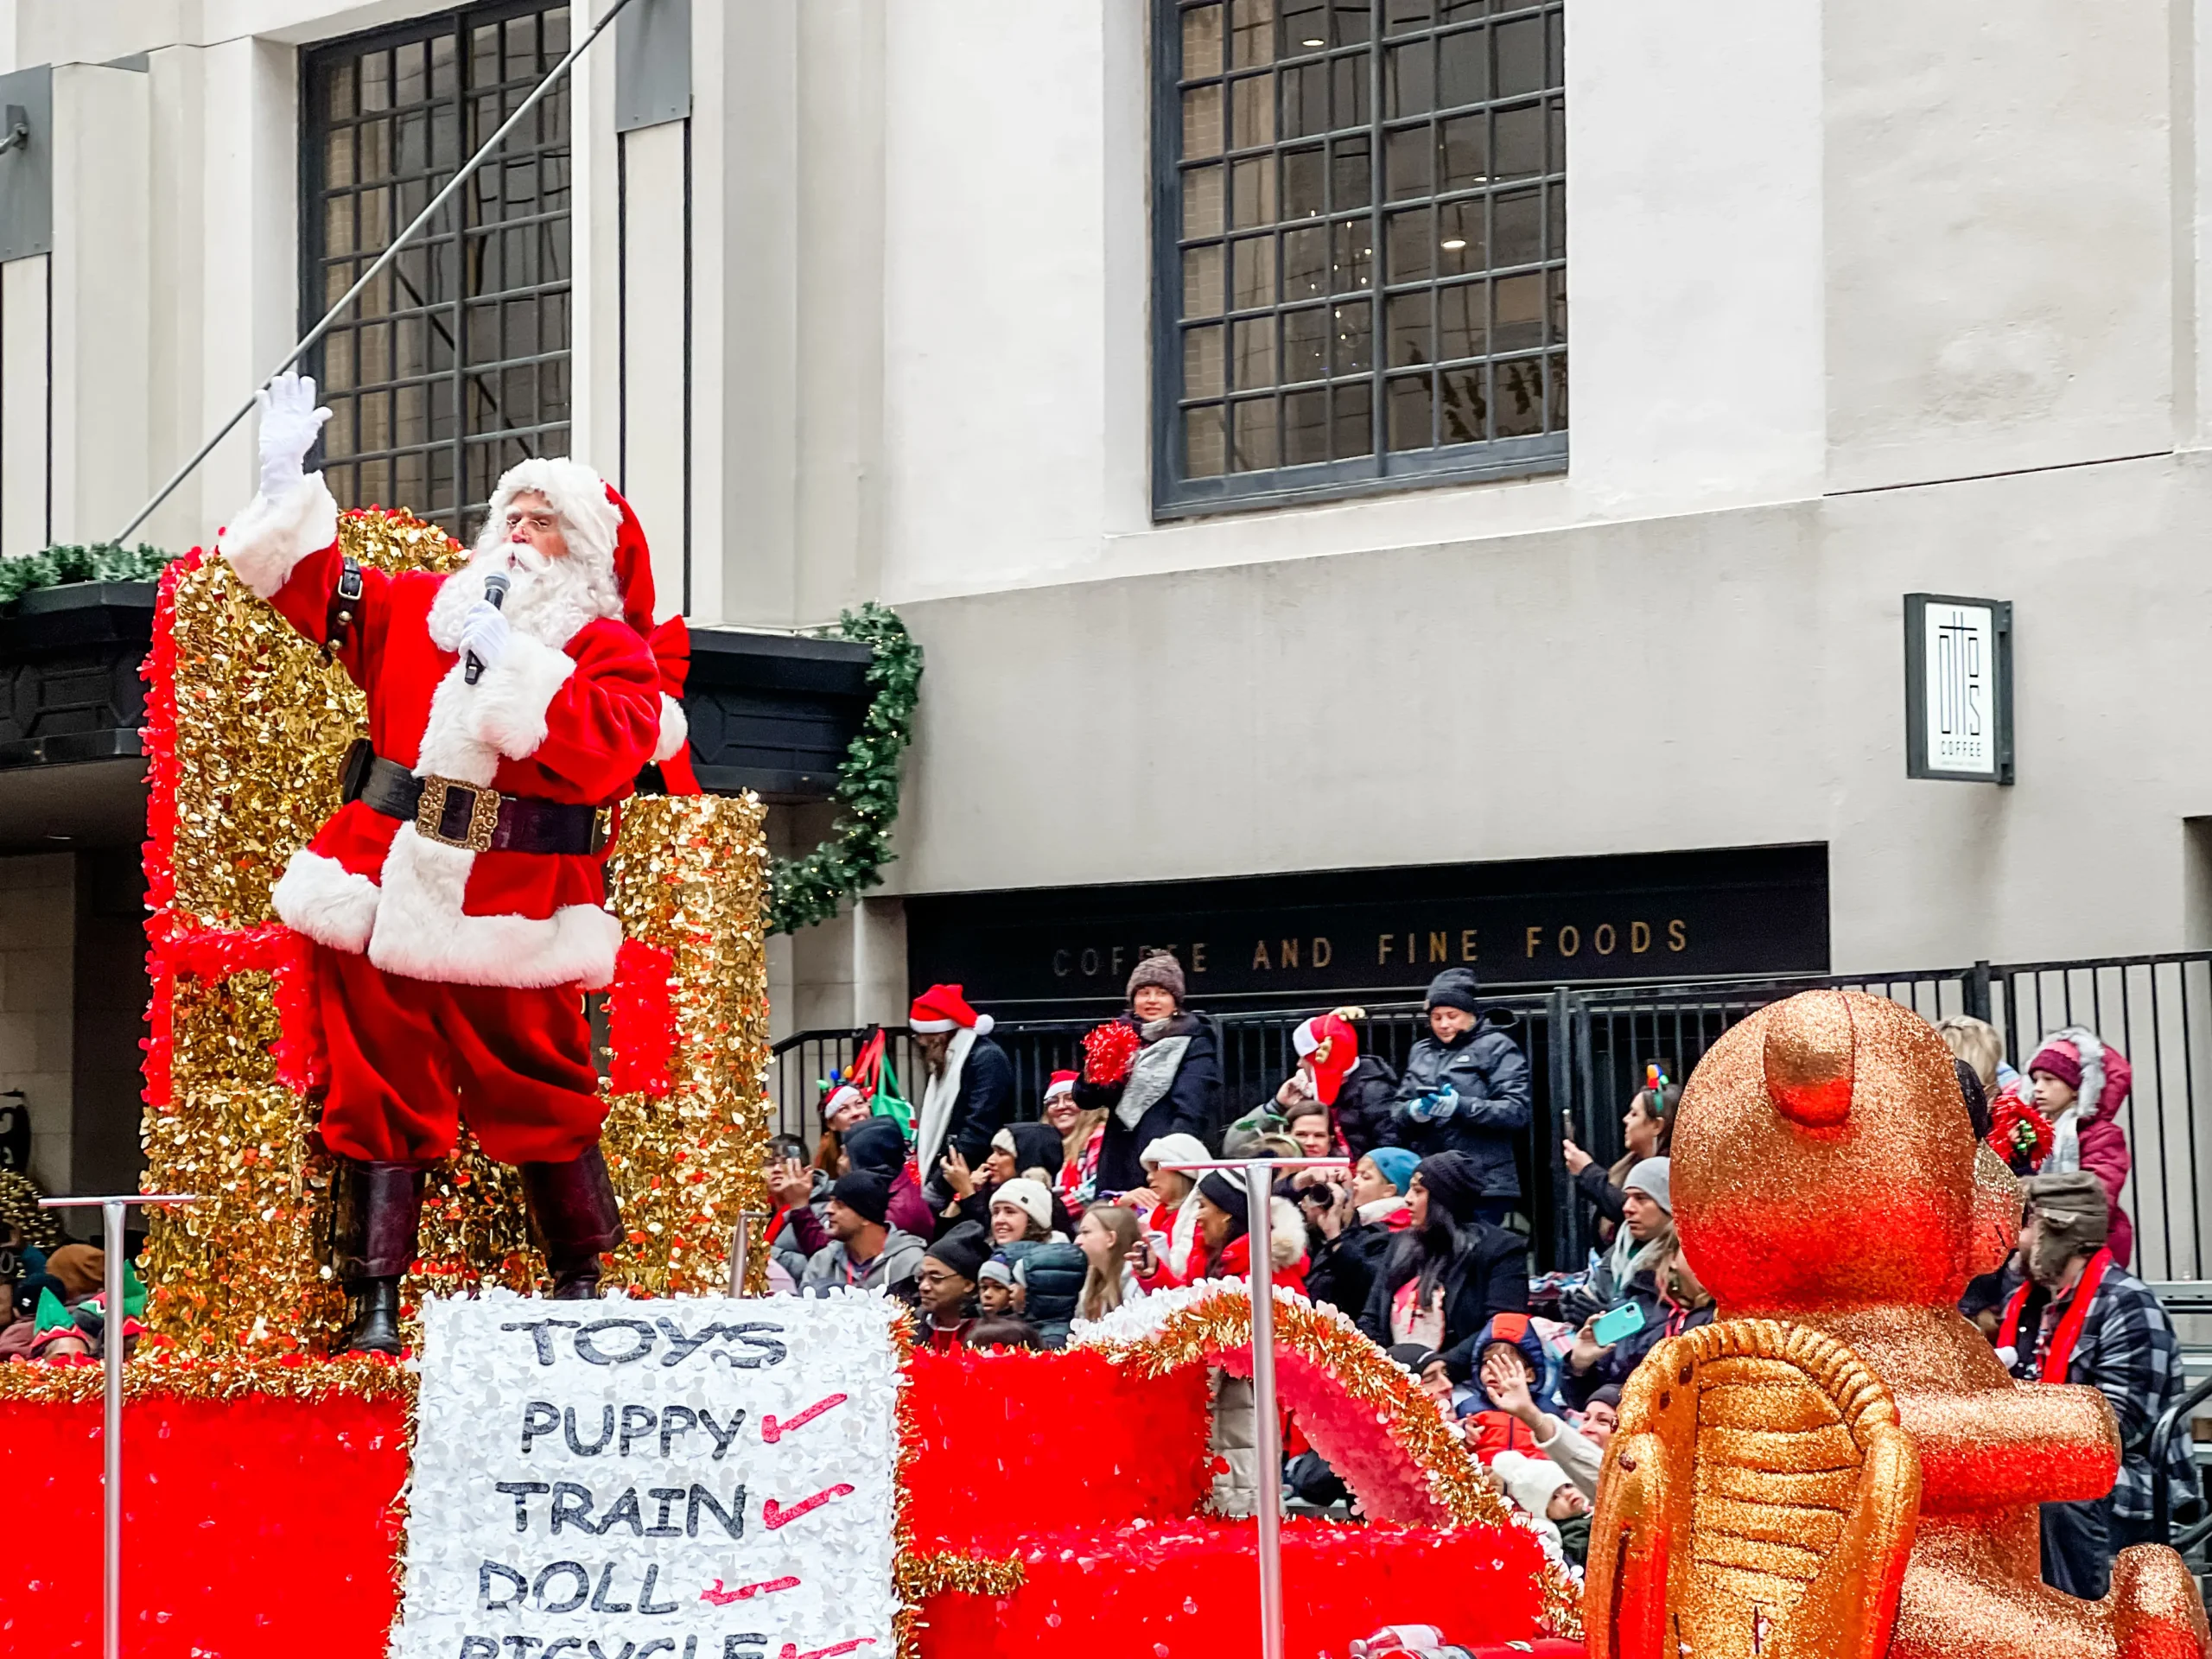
<point x="330" y="317"/>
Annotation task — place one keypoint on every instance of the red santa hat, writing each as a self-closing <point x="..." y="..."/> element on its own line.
<point x="1063" y="1082"/>
<point x="602" y="528"/>
<point x="943" y="1008"/>
<point x="1331" y="1047"/>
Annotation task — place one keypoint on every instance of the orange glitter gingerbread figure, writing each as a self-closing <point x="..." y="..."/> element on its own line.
<point x="1841" y="1466"/>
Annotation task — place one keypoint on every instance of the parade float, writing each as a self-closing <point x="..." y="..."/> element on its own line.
<point x="682" y="1469"/>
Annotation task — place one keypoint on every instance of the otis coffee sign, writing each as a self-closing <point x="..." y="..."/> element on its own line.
<point x="1656" y="916"/>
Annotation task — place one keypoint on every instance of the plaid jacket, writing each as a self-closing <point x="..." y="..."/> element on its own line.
<point x="2128" y="1351"/>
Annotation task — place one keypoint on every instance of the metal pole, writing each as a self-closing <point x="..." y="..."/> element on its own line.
<point x="111" y="1440"/>
<point x="1266" y="1426"/>
<point x="111" y="1214"/>
<point x="468" y="172"/>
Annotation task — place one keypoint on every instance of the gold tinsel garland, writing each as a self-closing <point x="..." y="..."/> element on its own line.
<point x="261" y="722"/>
<point x="163" y="1372"/>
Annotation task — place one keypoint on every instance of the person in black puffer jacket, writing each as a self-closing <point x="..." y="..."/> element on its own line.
<point x="1450" y="1270"/>
<point x="1051" y="1276"/>
<point x="1465" y="1089"/>
<point x="1173" y="1087"/>
<point x="1364" y="1102"/>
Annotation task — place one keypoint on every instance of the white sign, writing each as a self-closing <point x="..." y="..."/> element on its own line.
<point x="1960" y="643"/>
<point x="694" y="1479"/>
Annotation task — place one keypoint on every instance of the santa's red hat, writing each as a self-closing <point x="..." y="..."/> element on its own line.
<point x="943" y="1007"/>
<point x="602" y="528"/>
<point x="1063" y="1082"/>
<point x="1331" y="1047"/>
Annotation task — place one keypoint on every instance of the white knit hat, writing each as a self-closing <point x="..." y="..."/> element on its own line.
<point x="1174" y="1149"/>
<point x="1027" y="1196"/>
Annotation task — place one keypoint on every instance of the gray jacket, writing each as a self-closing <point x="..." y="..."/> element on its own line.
<point x="828" y="1268"/>
<point x="1482" y="1105"/>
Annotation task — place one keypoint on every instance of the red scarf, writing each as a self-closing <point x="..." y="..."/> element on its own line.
<point x="2054" y="1363"/>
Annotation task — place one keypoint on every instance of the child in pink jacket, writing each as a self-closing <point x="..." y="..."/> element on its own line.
<point x="2079" y="1085"/>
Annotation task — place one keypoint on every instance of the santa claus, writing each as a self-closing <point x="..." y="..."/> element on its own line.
<point x="455" y="900"/>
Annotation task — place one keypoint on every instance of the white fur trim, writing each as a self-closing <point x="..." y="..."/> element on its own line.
<point x="266" y="541"/>
<point x="675" y="730"/>
<point x="451" y="746"/>
<point x="323" y="899"/>
<point x="422" y="933"/>
<point x="929" y="1027"/>
<point x="1054" y="1090"/>
<point x="505" y="709"/>
<point x="574" y="491"/>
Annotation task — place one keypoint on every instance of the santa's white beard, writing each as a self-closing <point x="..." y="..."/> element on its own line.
<point x="547" y="598"/>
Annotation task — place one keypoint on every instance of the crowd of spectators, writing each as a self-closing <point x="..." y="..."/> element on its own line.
<point x="1394" y="1206"/>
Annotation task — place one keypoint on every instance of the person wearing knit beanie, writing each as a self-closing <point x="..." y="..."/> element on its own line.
<point x="2079" y="1082"/>
<point x="1453" y="1183"/>
<point x="1653" y="1178"/>
<point x="865" y="1193"/>
<point x="1465" y="1088"/>
<point x="1227" y="1194"/>
<point x="876" y="1143"/>
<point x="1395" y="1164"/>
<point x="1162" y="970"/>
<point x="945" y="1285"/>
<point x="1022" y="1208"/>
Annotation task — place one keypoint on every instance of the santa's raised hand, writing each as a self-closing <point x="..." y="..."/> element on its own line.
<point x="291" y="424"/>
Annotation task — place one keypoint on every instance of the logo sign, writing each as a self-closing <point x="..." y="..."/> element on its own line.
<point x="685" y="1480"/>
<point x="1958" y="659"/>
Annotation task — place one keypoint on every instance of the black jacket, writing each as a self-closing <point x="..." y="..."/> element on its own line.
<point x="1343" y="1267"/>
<point x="1596" y="1185"/>
<point x="1484" y="1079"/>
<point x="1490" y="1275"/>
<point x="1189" y="1107"/>
<point x="1363" y="1107"/>
<point x="983" y="1106"/>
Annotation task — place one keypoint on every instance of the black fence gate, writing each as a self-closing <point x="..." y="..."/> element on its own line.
<point x="1587" y="1049"/>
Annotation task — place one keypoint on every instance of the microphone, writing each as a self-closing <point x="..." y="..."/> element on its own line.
<point x="495" y="589"/>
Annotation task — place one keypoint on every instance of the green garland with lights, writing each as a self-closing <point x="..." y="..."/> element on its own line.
<point x="804" y="891"/>
<point x="56" y="567"/>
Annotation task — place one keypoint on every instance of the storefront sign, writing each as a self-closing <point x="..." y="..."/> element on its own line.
<point x="695" y="1479"/>
<point x="1379" y="932"/>
<point x="1958" y="688"/>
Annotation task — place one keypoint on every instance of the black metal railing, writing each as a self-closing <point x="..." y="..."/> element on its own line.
<point x="1588" y="1047"/>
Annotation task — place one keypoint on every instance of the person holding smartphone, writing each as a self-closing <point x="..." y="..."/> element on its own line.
<point x="1667" y="1300"/>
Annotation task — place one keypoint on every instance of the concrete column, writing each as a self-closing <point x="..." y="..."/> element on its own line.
<point x="656" y="434"/>
<point x="102" y="282"/>
<point x="26" y="411"/>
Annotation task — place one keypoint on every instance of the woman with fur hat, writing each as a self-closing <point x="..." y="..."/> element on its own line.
<point x="1172" y="1085"/>
<point x="1450" y="1270"/>
<point x="1465" y="1089"/>
<point x="2080" y="1085"/>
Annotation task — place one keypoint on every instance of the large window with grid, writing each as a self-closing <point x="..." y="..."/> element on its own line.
<point x="454" y="364"/>
<point x="1360" y="229"/>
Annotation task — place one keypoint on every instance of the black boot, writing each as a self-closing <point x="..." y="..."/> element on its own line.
<point x="379" y="1206"/>
<point x="572" y="1209"/>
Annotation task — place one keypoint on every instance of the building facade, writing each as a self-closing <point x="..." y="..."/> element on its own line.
<point x="1193" y="378"/>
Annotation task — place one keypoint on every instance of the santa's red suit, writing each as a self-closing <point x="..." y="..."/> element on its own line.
<point x="456" y="899"/>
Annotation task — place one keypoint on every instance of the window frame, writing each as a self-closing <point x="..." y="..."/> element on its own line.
<point x="1380" y="472"/>
<point x="454" y="223"/>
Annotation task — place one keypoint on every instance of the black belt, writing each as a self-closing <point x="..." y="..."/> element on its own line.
<point x="455" y="814"/>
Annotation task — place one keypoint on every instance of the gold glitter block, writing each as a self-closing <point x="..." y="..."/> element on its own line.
<point x="262" y="722"/>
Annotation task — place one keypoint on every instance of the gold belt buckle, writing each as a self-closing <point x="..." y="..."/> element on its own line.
<point x="483" y="813"/>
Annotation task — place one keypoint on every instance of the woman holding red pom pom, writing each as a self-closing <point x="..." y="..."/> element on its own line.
<point x="1172" y="1084"/>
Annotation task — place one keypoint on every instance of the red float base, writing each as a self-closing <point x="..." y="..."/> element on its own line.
<point x="261" y="1528"/>
<point x="1190" y="1590"/>
<point x="250" y="1526"/>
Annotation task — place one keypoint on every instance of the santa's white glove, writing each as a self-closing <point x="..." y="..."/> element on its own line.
<point x="290" y="422"/>
<point x="485" y="633"/>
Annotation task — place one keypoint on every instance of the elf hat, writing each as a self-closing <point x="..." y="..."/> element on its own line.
<point x="1063" y="1082"/>
<point x="943" y="1007"/>
<point x="1329" y="1044"/>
